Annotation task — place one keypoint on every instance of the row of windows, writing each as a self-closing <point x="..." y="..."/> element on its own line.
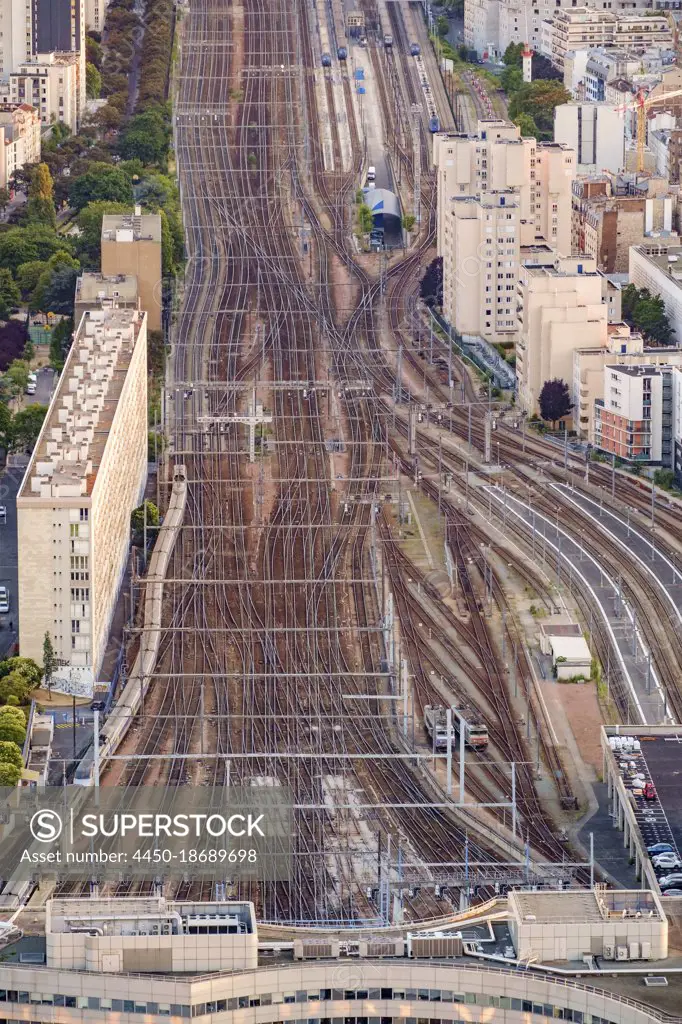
<point x="243" y="1002"/>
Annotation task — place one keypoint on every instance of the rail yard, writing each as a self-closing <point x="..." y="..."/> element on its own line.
<point x="315" y="417"/>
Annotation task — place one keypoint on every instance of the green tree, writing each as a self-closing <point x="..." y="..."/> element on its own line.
<point x="33" y="242"/>
<point x="54" y="292"/>
<point x="442" y="26"/>
<point x="28" y="275"/>
<point x="539" y="99"/>
<point x="60" y="342"/>
<point x="25" y="667"/>
<point x="93" y="81"/>
<point x="40" y="206"/>
<point x="511" y="79"/>
<point x="15" y="684"/>
<point x="513" y="55"/>
<point x="10" y="753"/>
<point x="6" y="427"/>
<point x="5" y="198"/>
<point x="9" y="773"/>
<point x="16" y="376"/>
<point x="365" y="218"/>
<point x="27" y="426"/>
<point x="137" y="520"/>
<point x="89" y="221"/>
<point x="93" y="51"/>
<point x="9" y="293"/>
<point x="105" y="185"/>
<point x="49" y="660"/>
<point x="146" y="138"/>
<point x="11" y="713"/>
<point x="555" y="400"/>
<point x="527" y="126"/>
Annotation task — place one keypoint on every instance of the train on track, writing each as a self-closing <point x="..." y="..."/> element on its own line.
<point x="434" y="120"/>
<point x="339" y="21"/>
<point x="322" y="28"/>
<point x="435" y="723"/>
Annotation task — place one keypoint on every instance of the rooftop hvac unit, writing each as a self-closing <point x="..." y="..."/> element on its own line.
<point x="609" y="952"/>
<point x="621" y="952"/>
<point x="655" y="981"/>
<point x="315" y="950"/>
<point x="382" y="948"/>
<point x="443" y="946"/>
<point x="634" y="950"/>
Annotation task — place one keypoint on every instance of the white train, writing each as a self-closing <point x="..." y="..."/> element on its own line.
<point x="339" y="18"/>
<point x="120" y="718"/>
<point x="321" y="8"/>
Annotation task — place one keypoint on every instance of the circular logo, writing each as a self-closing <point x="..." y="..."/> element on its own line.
<point x="46" y="826"/>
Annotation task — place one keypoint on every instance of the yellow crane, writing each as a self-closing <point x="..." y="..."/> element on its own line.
<point x="642" y="103"/>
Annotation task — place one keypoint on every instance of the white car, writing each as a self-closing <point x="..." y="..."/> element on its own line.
<point x="31" y="387"/>
<point x="4" y="601"/>
<point x="667" y="861"/>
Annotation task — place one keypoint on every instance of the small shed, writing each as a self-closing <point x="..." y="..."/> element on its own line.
<point x="570" y="656"/>
<point x="557" y="629"/>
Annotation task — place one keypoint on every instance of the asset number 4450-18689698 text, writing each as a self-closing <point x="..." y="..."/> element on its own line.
<point x="193" y="856"/>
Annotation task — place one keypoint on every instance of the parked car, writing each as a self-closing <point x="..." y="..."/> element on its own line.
<point x="98" y="705"/>
<point x="666" y="861"/>
<point x="672" y="892"/>
<point x="4" y="600"/>
<point x="649" y="791"/>
<point x="670" y="881"/>
<point x="3" y="513"/>
<point x="31" y="387"/>
<point x="660" y="848"/>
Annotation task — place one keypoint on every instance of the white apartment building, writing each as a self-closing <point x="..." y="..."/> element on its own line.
<point x="19" y="139"/>
<point x="633" y="421"/>
<point x="623" y="348"/>
<point x="583" y="28"/>
<point x="16" y="35"/>
<point x="561" y="307"/>
<point x="597" y="134"/>
<point x="658" y="267"/>
<point x="50" y="82"/>
<point x="480" y="264"/>
<point x="497" y="158"/>
<point x="95" y="12"/>
<point x="85" y="477"/>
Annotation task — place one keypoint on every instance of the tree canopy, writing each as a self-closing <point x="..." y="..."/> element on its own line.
<point x="102" y="183"/>
<point x="646" y="313"/>
<point x="555" y="400"/>
<point x="40" y="206"/>
<point x="538" y="99"/>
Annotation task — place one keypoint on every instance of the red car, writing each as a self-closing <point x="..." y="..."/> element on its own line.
<point x="649" y="791"/>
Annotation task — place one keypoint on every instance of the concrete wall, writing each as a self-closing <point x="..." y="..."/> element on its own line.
<point x="159" y="954"/>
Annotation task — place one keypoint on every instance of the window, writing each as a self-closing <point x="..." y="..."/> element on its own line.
<point x="73" y="530"/>
<point x="84" y="514"/>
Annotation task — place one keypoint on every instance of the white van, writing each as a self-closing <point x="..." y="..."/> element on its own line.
<point x="371" y="174"/>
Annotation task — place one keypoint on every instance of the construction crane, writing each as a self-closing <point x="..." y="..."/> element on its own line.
<point x="642" y="104"/>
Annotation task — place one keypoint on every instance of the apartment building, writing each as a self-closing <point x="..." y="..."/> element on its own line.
<point x="16" y="35"/>
<point x="59" y="26"/>
<point x="633" y="421"/>
<point x="19" y="139"/>
<point x="480" y="264"/>
<point x="595" y="131"/>
<point x="611" y="213"/>
<point x="497" y="158"/>
<point x="658" y="266"/>
<point x="50" y="82"/>
<point x="561" y="306"/>
<point x="131" y="245"/>
<point x="623" y="347"/>
<point x="85" y="477"/>
<point x="583" y="28"/>
<point x="676" y="378"/>
<point x="95" y="13"/>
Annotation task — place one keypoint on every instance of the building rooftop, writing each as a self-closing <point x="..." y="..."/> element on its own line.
<point x="573" y="906"/>
<point x="148" y="915"/>
<point x="642" y="370"/>
<point x="668" y="258"/>
<point x="93" y="288"/>
<point x="131" y="227"/>
<point x="69" y="450"/>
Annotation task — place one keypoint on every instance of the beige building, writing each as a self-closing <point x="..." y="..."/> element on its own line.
<point x="95" y="12"/>
<point x="97" y="291"/>
<point x="131" y="245"/>
<point x="50" y="82"/>
<point x="633" y="419"/>
<point x="480" y="265"/>
<point x="497" y="158"/>
<point x="150" y="935"/>
<point x="622" y="348"/>
<point x="611" y="213"/>
<point x="104" y="960"/>
<point x="583" y="28"/>
<point x="19" y="139"/>
<point x="561" y="306"/>
<point x="85" y="477"/>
